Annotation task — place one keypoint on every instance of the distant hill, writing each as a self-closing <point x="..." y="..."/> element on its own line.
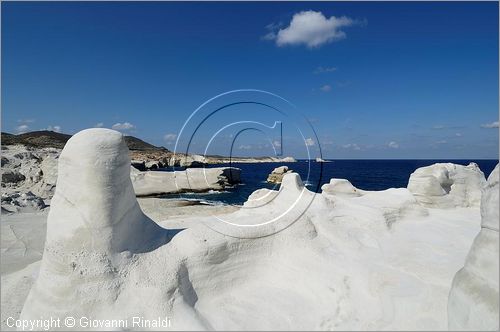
<point x="137" y="144"/>
<point x="41" y="139"/>
<point x="50" y="139"/>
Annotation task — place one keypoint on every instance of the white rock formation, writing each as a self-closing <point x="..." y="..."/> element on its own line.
<point x="447" y="185"/>
<point x="341" y="187"/>
<point x="183" y="160"/>
<point x="45" y="187"/>
<point x="287" y="160"/>
<point x="473" y="302"/>
<point x="333" y="262"/>
<point x="277" y="174"/>
<point x="94" y="228"/>
<point x="394" y="204"/>
<point x="190" y="180"/>
<point x="24" y="170"/>
<point x="35" y="172"/>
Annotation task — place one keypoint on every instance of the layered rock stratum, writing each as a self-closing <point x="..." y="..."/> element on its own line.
<point x="190" y="180"/>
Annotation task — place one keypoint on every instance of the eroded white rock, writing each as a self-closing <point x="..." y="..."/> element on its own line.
<point x="334" y="265"/>
<point x="36" y="171"/>
<point x="26" y="171"/>
<point x="190" y="180"/>
<point x="447" y="185"/>
<point x="341" y="187"/>
<point x="94" y="228"/>
<point x="473" y="302"/>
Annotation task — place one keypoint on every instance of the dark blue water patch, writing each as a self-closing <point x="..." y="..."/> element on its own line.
<point x="363" y="174"/>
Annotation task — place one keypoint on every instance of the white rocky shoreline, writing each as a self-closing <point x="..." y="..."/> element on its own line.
<point x="29" y="179"/>
<point x="342" y="259"/>
<point x="29" y="173"/>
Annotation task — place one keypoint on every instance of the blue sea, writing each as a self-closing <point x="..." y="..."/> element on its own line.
<point x="363" y="174"/>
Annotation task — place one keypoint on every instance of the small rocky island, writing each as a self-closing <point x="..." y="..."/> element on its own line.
<point x="278" y="173"/>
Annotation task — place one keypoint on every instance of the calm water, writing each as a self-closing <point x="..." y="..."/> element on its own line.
<point x="363" y="174"/>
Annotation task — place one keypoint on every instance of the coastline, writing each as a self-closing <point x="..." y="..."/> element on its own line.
<point x="373" y="247"/>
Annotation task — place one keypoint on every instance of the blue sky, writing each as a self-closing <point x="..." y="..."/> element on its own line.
<point x="376" y="80"/>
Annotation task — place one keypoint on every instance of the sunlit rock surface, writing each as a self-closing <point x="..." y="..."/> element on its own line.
<point x="473" y="302"/>
<point x="287" y="259"/>
<point x="447" y="185"/>
<point x="341" y="187"/>
<point x="277" y="174"/>
<point x="94" y="228"/>
<point x="190" y="180"/>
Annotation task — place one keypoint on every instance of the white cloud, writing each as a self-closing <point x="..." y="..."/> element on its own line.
<point x="325" y="88"/>
<point x="22" y="129"/>
<point x="26" y="121"/>
<point x="393" y="145"/>
<point x="309" y="141"/>
<point x="322" y="70"/>
<point x="99" y="125"/>
<point x="273" y="27"/>
<point x="277" y="144"/>
<point x="169" y="138"/>
<point x="353" y="146"/>
<point x="310" y="28"/>
<point x="245" y="147"/>
<point x="458" y="134"/>
<point x="440" y="127"/>
<point x="23" y="126"/>
<point x="56" y="129"/>
<point x="123" y="126"/>
<point x="269" y="36"/>
<point x="442" y="142"/>
<point x="326" y="142"/>
<point x="490" y="125"/>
